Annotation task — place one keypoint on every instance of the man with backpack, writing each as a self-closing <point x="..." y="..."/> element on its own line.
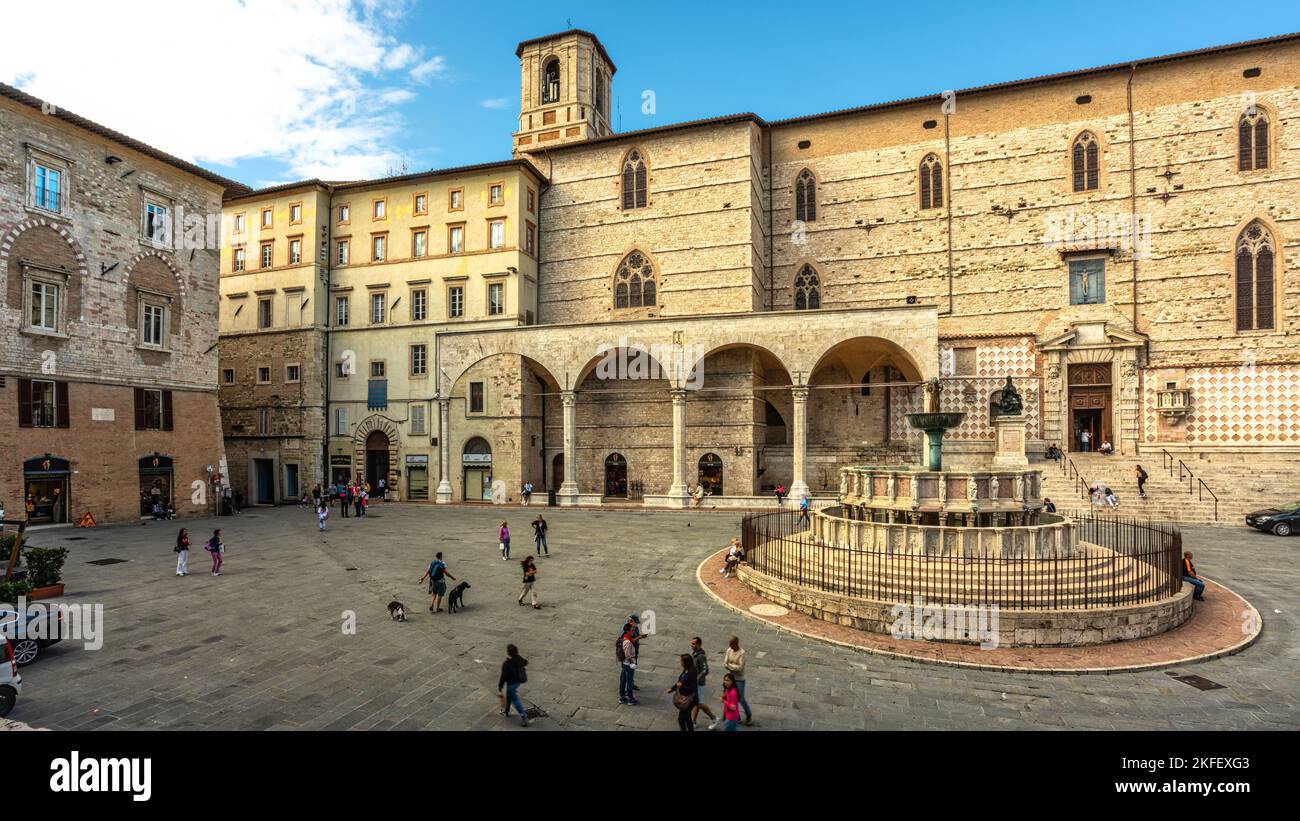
<point x="625" y="652"/>
<point x="437" y="575"/>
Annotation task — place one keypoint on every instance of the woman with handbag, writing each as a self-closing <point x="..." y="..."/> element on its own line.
<point x="512" y="675"/>
<point x="530" y="582"/>
<point x="685" y="694"/>
<point x="217" y="548"/>
<point x="182" y="551"/>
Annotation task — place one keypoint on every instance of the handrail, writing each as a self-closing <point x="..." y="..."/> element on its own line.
<point x="1206" y="488"/>
<point x="1081" y="484"/>
<point x="1167" y="461"/>
<point x="1182" y="466"/>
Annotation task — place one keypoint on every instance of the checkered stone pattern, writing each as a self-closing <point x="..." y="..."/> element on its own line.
<point x="1239" y="405"/>
<point x="994" y="361"/>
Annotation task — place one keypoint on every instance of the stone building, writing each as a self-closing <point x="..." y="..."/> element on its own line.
<point x="742" y="303"/>
<point x="108" y="253"/>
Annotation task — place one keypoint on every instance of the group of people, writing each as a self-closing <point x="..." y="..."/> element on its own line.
<point x="540" y="529"/>
<point x="688" y="691"/>
<point x="214" y="546"/>
<point x="352" y="497"/>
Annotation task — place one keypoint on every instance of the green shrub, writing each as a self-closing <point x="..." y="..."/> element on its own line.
<point x="10" y="591"/>
<point x="45" y="565"/>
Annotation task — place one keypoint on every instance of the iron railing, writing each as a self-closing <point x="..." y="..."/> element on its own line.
<point x="1167" y="460"/>
<point x="1133" y="562"/>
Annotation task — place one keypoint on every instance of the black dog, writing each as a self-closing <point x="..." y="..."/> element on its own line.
<point x="455" y="600"/>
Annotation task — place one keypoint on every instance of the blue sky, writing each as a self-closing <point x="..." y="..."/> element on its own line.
<point x="358" y="87"/>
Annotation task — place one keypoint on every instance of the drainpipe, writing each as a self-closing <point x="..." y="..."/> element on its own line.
<point x="1132" y="190"/>
<point x="326" y="469"/>
<point x="771" y="261"/>
<point x="947" y="164"/>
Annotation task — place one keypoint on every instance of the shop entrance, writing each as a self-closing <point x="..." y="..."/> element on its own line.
<point x="46" y="485"/>
<point x="476" y="463"/>
<point x="155" y="484"/>
<point x="710" y="474"/>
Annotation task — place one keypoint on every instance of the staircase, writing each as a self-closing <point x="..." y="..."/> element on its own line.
<point x="1174" y="491"/>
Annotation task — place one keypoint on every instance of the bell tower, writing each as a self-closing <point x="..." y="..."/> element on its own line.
<point x="564" y="90"/>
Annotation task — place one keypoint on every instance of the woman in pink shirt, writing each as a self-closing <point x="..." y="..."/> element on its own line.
<point x="730" y="704"/>
<point x="503" y="536"/>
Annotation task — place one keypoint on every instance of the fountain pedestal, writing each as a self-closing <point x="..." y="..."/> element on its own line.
<point x="1010" y="442"/>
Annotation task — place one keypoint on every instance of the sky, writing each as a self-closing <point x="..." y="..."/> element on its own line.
<point x="269" y="91"/>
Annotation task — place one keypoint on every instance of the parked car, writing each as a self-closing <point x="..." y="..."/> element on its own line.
<point x="29" y="633"/>
<point x="10" y="681"/>
<point x="1282" y="520"/>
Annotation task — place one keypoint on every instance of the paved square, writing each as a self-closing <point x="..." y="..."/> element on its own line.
<point x="262" y="647"/>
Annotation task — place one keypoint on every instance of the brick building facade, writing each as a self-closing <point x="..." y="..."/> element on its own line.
<point x="108" y="253"/>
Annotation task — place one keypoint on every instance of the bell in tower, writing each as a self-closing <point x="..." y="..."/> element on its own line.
<point x="564" y="90"/>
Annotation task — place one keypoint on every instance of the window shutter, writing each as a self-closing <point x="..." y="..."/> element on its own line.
<point x="24" y="403"/>
<point x="1243" y="145"/>
<point x="1264" y="289"/>
<point x="139" y="409"/>
<point x="166" y="410"/>
<point x="1261" y="143"/>
<point x="61" y="405"/>
<point x="1245" y="291"/>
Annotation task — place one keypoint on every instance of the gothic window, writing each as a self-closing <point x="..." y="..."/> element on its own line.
<point x="1255" y="251"/>
<point x="1252" y="141"/>
<point x="807" y="289"/>
<point x="1085" y="160"/>
<point x="805" y="197"/>
<point x="931" y="182"/>
<point x="634" y="180"/>
<point x="634" y="282"/>
<point x="551" y="82"/>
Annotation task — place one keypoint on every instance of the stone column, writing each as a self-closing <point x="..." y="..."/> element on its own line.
<point x="444" y="494"/>
<point x="568" y="493"/>
<point x="798" y="485"/>
<point x="678" y="495"/>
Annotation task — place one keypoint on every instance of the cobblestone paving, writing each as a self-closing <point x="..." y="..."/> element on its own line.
<point x="262" y="647"/>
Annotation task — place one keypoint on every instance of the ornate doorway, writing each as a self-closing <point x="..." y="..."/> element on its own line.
<point x="376" y="460"/>
<point x="1090" y="405"/>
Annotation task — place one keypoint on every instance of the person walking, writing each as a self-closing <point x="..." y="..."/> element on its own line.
<point x="357" y="503"/>
<point x="218" y="549"/>
<point x="345" y="500"/>
<point x="685" y="694"/>
<point x="365" y="502"/>
<point x="239" y="501"/>
<point x="530" y="582"/>
<point x="513" y="674"/>
<point x="503" y="541"/>
<point x="1142" y="477"/>
<point x="383" y="490"/>
<point x="805" y="505"/>
<point x="539" y="536"/>
<point x="182" y="551"/>
<point x="1189" y="576"/>
<point x="734" y="661"/>
<point x="315" y="497"/>
<point x="322" y="513"/>
<point x="701" y="660"/>
<point x="437" y="575"/>
<point x="1085" y="440"/>
<point x="730" y="704"/>
<point x="625" y="652"/>
<point x="527" y="493"/>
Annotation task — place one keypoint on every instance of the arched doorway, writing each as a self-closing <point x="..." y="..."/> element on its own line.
<point x="710" y="474"/>
<point x="376" y="460"/>
<point x="616" y="475"/>
<point x="476" y="466"/>
<point x="1090" y="404"/>
<point x="557" y="471"/>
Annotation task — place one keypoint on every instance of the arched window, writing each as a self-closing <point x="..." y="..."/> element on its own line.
<point x="807" y="289"/>
<point x="551" y="81"/>
<point x="1255" y="251"/>
<point x="634" y="282"/>
<point x="710" y="474"/>
<point x="805" y="196"/>
<point x="1085" y="159"/>
<point x="1252" y="141"/>
<point x="931" y="182"/>
<point x="634" y="180"/>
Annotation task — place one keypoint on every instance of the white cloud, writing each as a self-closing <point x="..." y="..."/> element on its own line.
<point x="312" y="84"/>
<point x="495" y="102"/>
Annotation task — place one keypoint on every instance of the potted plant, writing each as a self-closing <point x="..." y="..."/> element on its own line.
<point x="45" y="570"/>
<point x="11" y="591"/>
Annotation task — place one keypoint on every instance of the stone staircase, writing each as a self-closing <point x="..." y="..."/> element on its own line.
<point x="1241" y="484"/>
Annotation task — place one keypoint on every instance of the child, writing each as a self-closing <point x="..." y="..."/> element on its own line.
<point x="322" y="513"/>
<point x="732" y="559"/>
<point x="730" y="704"/>
<point x="217" y="548"/>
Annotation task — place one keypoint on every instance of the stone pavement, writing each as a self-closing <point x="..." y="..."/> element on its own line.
<point x="262" y="646"/>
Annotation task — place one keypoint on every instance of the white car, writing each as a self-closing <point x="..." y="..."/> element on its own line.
<point x="10" y="682"/>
